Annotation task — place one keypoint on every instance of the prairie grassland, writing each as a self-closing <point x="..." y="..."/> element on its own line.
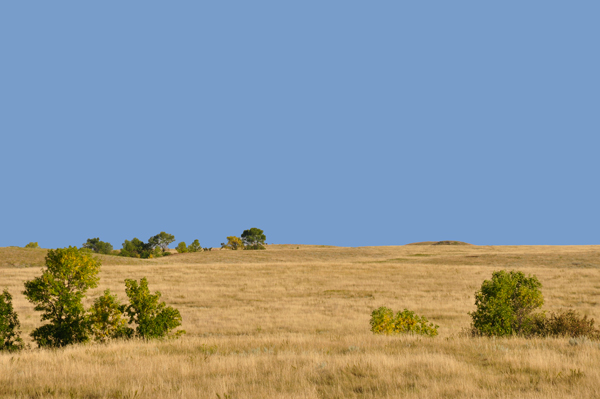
<point x="293" y="322"/>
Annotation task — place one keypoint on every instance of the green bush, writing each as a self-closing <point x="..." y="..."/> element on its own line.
<point x="154" y="248"/>
<point x="233" y="242"/>
<point x="10" y="335"/>
<point x="505" y="304"/>
<point x="565" y="323"/>
<point x="106" y="318"/>
<point x="136" y="248"/>
<point x="153" y="319"/>
<point x="383" y="321"/>
<point x="59" y="292"/>
<point x="195" y="246"/>
<point x="181" y="248"/>
<point x="98" y="246"/>
<point x="32" y="245"/>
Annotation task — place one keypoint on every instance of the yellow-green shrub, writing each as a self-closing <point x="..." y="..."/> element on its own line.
<point x="383" y="321"/>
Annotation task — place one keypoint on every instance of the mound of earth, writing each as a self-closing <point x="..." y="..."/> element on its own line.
<point x="440" y="243"/>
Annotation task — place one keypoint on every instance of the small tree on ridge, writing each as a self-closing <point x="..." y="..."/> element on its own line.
<point x="254" y="238"/>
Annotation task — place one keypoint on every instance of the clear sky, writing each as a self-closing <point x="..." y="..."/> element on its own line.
<point x="345" y="123"/>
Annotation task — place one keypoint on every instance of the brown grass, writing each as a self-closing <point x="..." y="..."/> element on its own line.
<point x="294" y="323"/>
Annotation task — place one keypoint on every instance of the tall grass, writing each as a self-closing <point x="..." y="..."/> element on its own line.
<point x="288" y="323"/>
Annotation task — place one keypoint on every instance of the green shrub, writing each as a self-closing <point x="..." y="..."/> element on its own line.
<point x="383" y="321"/>
<point x="98" y="246"/>
<point x="505" y="304"/>
<point x="195" y="246"/>
<point x="59" y="292"/>
<point x="10" y="335"/>
<point x="154" y="248"/>
<point x="32" y="245"/>
<point x="181" y="248"/>
<point x="153" y="319"/>
<point x="106" y="318"/>
<point x="233" y="242"/>
<point x="157" y="253"/>
<point x="136" y="248"/>
<point x="566" y="323"/>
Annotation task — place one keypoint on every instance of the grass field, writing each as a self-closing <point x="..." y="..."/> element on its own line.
<point x="293" y="322"/>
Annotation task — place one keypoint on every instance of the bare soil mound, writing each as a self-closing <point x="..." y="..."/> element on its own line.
<point x="440" y="243"/>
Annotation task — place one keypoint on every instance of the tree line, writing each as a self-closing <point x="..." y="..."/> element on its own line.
<point x="158" y="245"/>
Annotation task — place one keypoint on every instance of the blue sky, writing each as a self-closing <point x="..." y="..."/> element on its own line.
<point x="341" y="123"/>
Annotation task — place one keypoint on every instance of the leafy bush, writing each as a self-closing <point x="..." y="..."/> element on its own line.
<point x="566" y="323"/>
<point x="59" y="292"/>
<point x="195" y="246"/>
<point x="136" y="248"/>
<point x="232" y="243"/>
<point x="383" y="321"/>
<point x="505" y="304"/>
<point x="98" y="246"/>
<point x="253" y="238"/>
<point x="32" y="245"/>
<point x="153" y="318"/>
<point x="106" y="319"/>
<point x="181" y="248"/>
<point x="10" y="335"/>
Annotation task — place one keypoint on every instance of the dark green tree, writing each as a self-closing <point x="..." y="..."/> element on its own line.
<point x="59" y="292"/>
<point x="136" y="248"/>
<point x="10" y="335"/>
<point x="98" y="246"/>
<point x="153" y="318"/>
<point x="161" y="240"/>
<point x="505" y="304"/>
<point x="253" y="238"/>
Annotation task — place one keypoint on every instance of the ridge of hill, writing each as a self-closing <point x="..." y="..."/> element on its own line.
<point x="440" y="243"/>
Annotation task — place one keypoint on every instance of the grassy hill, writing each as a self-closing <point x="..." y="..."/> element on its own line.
<point x="293" y="322"/>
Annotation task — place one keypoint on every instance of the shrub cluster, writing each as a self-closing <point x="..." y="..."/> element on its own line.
<point x="97" y="246"/>
<point x="153" y="319"/>
<point x="155" y="247"/>
<point x="59" y="294"/>
<point x="253" y="238"/>
<point x="193" y="247"/>
<point x="564" y="323"/>
<point x="32" y="245"/>
<point x="506" y="306"/>
<point x="383" y="321"/>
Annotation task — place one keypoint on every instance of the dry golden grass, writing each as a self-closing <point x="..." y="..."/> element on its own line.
<point x="293" y="322"/>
